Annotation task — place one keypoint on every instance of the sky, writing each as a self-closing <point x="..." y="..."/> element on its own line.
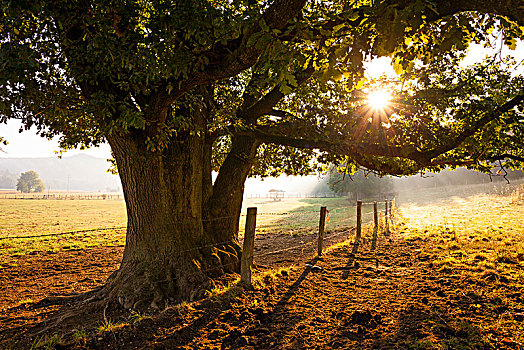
<point x="29" y="145"/>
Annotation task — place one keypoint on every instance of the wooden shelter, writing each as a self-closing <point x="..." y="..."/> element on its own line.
<point x="276" y="195"/>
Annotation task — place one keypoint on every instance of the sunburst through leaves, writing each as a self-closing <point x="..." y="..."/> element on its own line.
<point x="379" y="99"/>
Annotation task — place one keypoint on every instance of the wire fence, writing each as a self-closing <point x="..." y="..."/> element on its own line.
<point x="293" y="245"/>
<point x="296" y="222"/>
<point x="299" y="222"/>
<point x="305" y="248"/>
<point x="64" y="233"/>
<point x="105" y="196"/>
<point x="72" y="196"/>
<point x="361" y="218"/>
<point x="295" y="230"/>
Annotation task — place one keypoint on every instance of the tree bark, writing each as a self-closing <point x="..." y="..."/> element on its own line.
<point x="168" y="256"/>
<point x="223" y="208"/>
<point x="163" y="199"/>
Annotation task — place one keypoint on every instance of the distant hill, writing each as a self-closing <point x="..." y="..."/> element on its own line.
<point x="79" y="172"/>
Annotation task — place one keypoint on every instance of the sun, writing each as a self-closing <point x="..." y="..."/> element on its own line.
<point x="379" y="99"/>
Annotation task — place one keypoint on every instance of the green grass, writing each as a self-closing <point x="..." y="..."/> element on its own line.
<point x="110" y="326"/>
<point x="79" y="335"/>
<point x="32" y="217"/>
<point x="470" y="232"/>
<point x="47" y="342"/>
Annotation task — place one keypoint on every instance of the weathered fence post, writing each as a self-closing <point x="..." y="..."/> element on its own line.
<point x="249" y="243"/>
<point x="359" y="228"/>
<point x="375" y="225"/>
<point x="321" y="225"/>
<point x="391" y="203"/>
<point x="386" y="224"/>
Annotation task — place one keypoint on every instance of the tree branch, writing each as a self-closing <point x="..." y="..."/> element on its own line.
<point x="361" y="151"/>
<point x="322" y="145"/>
<point x="487" y="118"/>
<point x="507" y="156"/>
<point x="240" y="56"/>
<point x="265" y="104"/>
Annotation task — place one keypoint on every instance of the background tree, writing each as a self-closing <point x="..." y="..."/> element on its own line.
<point x="30" y="182"/>
<point x="181" y="88"/>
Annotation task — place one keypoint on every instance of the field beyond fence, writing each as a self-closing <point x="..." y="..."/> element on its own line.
<point x="65" y="196"/>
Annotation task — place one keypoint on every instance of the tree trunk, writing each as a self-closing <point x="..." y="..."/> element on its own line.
<point x="223" y="208"/>
<point x="167" y="257"/>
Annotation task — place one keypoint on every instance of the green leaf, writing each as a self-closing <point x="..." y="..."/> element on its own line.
<point x="512" y="44"/>
<point x="397" y="66"/>
<point x="338" y="27"/>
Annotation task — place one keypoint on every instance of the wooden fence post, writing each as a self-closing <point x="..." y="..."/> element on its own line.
<point x="249" y="243"/>
<point x="321" y="225"/>
<point x="391" y="203"/>
<point x="359" y="228"/>
<point x="386" y="224"/>
<point x="375" y="225"/>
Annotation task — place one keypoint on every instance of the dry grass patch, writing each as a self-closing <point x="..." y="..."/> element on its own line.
<point x="481" y="239"/>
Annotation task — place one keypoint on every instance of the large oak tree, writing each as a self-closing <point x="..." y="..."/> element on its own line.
<point x="181" y="88"/>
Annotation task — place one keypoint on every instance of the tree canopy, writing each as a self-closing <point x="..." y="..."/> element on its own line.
<point x="30" y="182"/>
<point x="90" y="69"/>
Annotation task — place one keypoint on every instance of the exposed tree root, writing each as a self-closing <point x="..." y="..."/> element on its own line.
<point x="61" y="300"/>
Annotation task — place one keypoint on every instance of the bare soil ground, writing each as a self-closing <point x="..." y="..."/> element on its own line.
<point x="47" y="274"/>
<point x="403" y="303"/>
<point x="40" y="275"/>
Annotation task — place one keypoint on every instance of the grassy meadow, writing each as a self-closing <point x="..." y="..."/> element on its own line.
<point x="301" y="215"/>
<point x="478" y="231"/>
<point x="21" y="218"/>
<point x="439" y="213"/>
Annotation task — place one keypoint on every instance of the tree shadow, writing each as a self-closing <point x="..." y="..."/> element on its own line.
<point x="292" y="290"/>
<point x="214" y="313"/>
<point x="281" y="306"/>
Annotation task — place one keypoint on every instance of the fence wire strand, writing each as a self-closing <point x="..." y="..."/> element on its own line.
<point x="299" y="246"/>
<point x="65" y="233"/>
